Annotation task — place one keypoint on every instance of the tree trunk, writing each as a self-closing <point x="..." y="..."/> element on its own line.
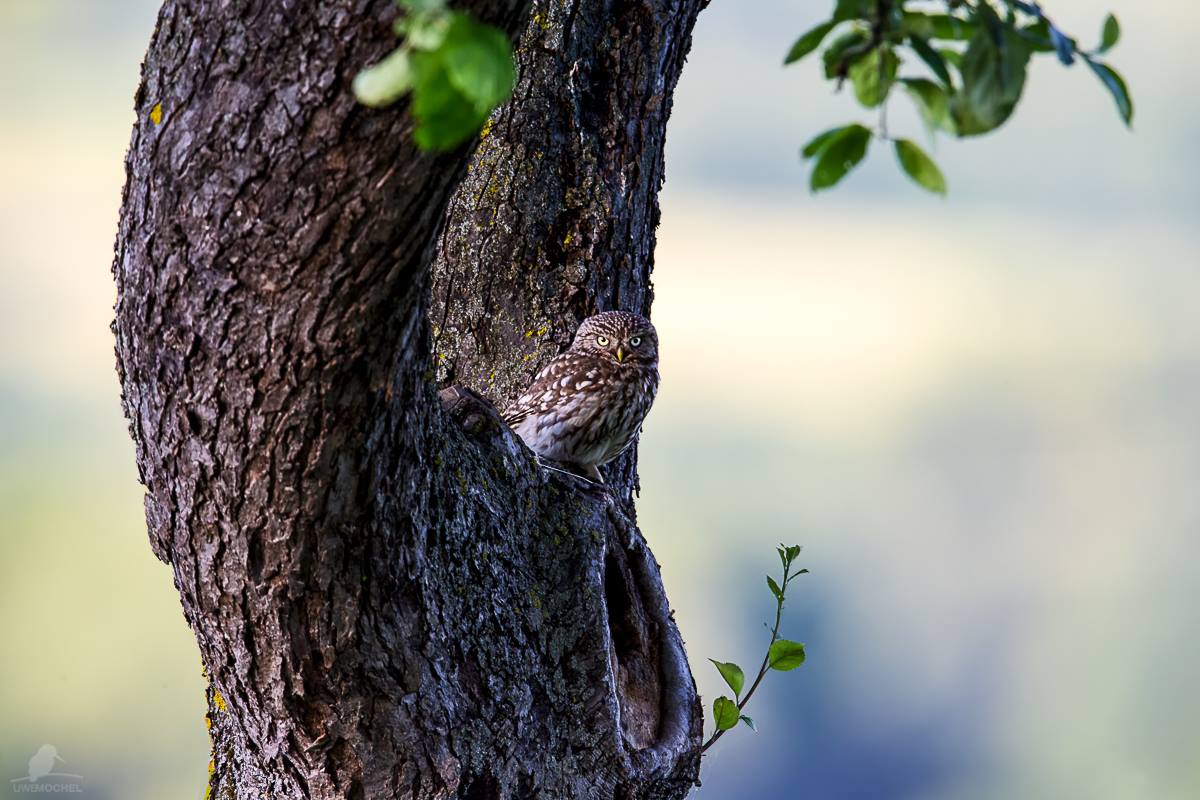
<point x="390" y="598"/>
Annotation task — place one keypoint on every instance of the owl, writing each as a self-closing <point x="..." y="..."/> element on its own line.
<point x="587" y="405"/>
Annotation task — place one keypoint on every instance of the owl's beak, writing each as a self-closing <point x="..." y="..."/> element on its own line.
<point x="620" y="355"/>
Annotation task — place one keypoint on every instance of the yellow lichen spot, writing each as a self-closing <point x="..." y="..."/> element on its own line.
<point x="487" y="128"/>
<point x="566" y="240"/>
<point x="528" y="334"/>
<point x="542" y="331"/>
<point x="219" y="701"/>
<point x="156" y="114"/>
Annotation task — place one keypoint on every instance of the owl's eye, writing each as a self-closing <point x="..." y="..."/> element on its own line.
<point x="635" y="341"/>
<point x="602" y="341"/>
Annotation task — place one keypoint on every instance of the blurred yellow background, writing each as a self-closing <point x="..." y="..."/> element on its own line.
<point x="981" y="416"/>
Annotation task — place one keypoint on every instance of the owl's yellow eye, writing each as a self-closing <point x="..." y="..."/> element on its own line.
<point x="635" y="341"/>
<point x="602" y="341"/>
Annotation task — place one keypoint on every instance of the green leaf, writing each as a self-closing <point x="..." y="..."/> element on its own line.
<point x="1037" y="36"/>
<point x="749" y="723"/>
<point x="952" y="28"/>
<point x="792" y="552"/>
<point x="774" y="587"/>
<point x="993" y="73"/>
<point x="478" y="62"/>
<point x="808" y="42"/>
<point x="844" y="51"/>
<point x="445" y="116"/>
<point x="785" y="655"/>
<point x="386" y="82"/>
<point x="725" y="713"/>
<point x="424" y="31"/>
<point x="916" y="24"/>
<point x="852" y="9"/>
<point x="951" y="57"/>
<point x="936" y="26"/>
<point x="817" y="145"/>
<point x="1115" y="84"/>
<point x="920" y="167"/>
<point x="932" y="58"/>
<point x="840" y="154"/>
<point x="732" y="674"/>
<point x="932" y="101"/>
<point x="781" y="551"/>
<point x="874" y="75"/>
<point x="984" y="15"/>
<point x="1111" y="33"/>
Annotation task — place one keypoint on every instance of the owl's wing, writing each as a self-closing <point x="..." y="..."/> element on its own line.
<point x="518" y="411"/>
<point x="527" y="403"/>
<point x="547" y="389"/>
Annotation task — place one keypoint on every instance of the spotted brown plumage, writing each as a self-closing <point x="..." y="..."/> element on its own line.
<point x="587" y="405"/>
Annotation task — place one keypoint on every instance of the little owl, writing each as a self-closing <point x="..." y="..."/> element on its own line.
<point x="587" y="405"/>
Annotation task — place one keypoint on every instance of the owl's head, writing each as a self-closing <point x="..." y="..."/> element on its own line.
<point x="624" y="337"/>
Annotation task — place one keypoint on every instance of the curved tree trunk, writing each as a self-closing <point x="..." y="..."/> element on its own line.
<point x="391" y="599"/>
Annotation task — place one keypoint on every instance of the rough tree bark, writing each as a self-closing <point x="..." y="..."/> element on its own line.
<point x="391" y="600"/>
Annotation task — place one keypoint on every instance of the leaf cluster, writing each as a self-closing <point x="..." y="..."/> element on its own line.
<point x="456" y="68"/>
<point x="976" y="56"/>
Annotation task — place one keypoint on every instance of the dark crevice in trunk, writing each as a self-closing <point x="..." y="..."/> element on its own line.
<point x="634" y="655"/>
<point x="480" y="787"/>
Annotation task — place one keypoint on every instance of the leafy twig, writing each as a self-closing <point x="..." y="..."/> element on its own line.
<point x="782" y="655"/>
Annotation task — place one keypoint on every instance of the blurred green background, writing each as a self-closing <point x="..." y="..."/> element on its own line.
<point x="981" y="416"/>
